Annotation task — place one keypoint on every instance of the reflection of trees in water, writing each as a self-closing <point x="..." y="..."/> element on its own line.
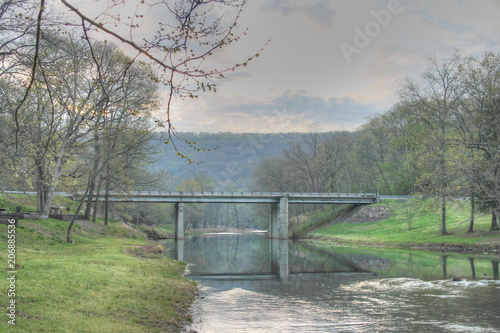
<point x="243" y="254"/>
<point x="305" y="257"/>
<point x="494" y="266"/>
<point x="472" y="267"/>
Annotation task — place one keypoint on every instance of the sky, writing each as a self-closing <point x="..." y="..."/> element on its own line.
<point x="331" y="63"/>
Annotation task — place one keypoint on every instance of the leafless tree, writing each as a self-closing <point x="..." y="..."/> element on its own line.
<point x="178" y="43"/>
<point x="431" y="99"/>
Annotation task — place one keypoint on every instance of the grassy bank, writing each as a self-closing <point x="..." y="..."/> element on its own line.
<point x="425" y="220"/>
<point x="110" y="280"/>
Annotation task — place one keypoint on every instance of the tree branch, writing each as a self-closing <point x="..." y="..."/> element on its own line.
<point x="120" y="38"/>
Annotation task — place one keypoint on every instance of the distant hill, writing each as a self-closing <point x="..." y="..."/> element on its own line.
<point x="231" y="164"/>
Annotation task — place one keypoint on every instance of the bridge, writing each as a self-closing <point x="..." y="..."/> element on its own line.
<point x="279" y="203"/>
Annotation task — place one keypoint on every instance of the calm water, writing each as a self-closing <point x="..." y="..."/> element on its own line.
<point x="250" y="284"/>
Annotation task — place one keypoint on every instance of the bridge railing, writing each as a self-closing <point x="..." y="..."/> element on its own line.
<point x="221" y="194"/>
<point x="237" y="194"/>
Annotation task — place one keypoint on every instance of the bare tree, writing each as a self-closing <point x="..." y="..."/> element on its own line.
<point x="432" y="99"/>
<point x="179" y="45"/>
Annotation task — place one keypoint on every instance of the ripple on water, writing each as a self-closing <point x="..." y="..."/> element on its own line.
<point x="409" y="284"/>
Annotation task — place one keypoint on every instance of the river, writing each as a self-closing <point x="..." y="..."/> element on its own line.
<point x="248" y="283"/>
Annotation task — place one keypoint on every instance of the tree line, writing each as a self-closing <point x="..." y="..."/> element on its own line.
<point x="84" y="124"/>
<point x="441" y="140"/>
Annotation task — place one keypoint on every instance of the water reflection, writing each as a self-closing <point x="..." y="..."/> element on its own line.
<point x="232" y="256"/>
<point x="251" y="284"/>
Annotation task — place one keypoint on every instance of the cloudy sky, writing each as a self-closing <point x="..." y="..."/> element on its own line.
<point x="330" y="63"/>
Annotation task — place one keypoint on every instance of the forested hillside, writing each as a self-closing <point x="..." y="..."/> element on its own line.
<point x="228" y="158"/>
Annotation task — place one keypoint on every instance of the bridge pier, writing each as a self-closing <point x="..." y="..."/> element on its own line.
<point x="179" y="220"/>
<point x="279" y="258"/>
<point x="278" y="228"/>
<point x="179" y="250"/>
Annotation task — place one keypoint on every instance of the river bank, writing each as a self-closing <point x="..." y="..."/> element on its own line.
<point x="111" y="280"/>
<point x="411" y="225"/>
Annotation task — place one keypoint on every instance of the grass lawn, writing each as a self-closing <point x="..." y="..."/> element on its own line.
<point x="110" y="280"/>
<point x="425" y="226"/>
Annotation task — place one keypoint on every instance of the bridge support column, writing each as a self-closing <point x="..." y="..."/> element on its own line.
<point x="179" y="220"/>
<point x="179" y="250"/>
<point x="279" y="220"/>
<point x="279" y="258"/>
<point x="283" y="220"/>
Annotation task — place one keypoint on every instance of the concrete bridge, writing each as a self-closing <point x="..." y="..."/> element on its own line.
<point x="279" y="202"/>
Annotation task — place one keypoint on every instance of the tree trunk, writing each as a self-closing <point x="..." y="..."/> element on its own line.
<point x="73" y="219"/>
<point x="54" y="178"/>
<point x="472" y="212"/>
<point x="443" y="216"/>
<point x="39" y="199"/>
<point x="96" y="203"/>
<point x="48" y="200"/>
<point x="106" y="198"/>
<point x="89" y="201"/>
<point x="494" y="222"/>
<point x="40" y="194"/>
<point x="444" y="181"/>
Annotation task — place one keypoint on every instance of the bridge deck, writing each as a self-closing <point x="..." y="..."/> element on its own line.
<point x="228" y="197"/>
<point x="241" y="197"/>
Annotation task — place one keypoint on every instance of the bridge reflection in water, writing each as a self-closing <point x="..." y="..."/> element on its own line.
<point x="219" y="256"/>
<point x="212" y="265"/>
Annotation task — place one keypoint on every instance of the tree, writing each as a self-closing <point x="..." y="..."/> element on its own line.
<point x="196" y="214"/>
<point x="189" y="33"/>
<point x="272" y="175"/>
<point x="334" y="161"/>
<point x="52" y="123"/>
<point x="432" y="99"/>
<point x="121" y="132"/>
<point x="391" y="144"/>
<point x="478" y="123"/>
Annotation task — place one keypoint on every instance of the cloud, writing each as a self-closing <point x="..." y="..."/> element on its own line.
<point x="302" y="76"/>
<point x="319" y="13"/>
<point x="290" y="111"/>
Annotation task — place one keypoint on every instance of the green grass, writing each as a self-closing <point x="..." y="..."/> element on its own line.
<point x="28" y="202"/>
<point x="426" y="227"/>
<point x="105" y="282"/>
<point x="318" y="220"/>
